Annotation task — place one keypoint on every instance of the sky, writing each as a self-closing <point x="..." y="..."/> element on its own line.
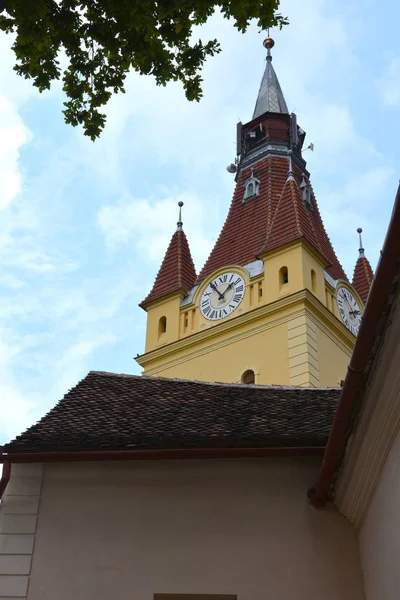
<point x="84" y="226"/>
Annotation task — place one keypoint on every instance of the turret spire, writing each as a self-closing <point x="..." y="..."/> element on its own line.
<point x="363" y="274"/>
<point x="177" y="272"/>
<point x="270" y="97"/>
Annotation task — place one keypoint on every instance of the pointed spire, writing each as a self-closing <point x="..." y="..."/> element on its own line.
<point x="363" y="273"/>
<point x="270" y="97"/>
<point x="177" y="272"/>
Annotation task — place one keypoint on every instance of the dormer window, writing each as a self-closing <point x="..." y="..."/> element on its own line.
<point x="251" y="187"/>
<point x="306" y="193"/>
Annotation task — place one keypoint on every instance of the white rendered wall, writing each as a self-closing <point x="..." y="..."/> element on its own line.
<point x="380" y="533"/>
<point x="124" y="531"/>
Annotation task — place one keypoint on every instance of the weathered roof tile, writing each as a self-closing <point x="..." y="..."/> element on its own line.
<point x="107" y="411"/>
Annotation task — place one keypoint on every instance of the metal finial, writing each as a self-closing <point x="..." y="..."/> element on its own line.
<point x="268" y="43"/>
<point x="179" y="223"/>
<point x="361" y="249"/>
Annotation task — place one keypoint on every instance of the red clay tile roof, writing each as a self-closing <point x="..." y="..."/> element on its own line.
<point x="362" y="278"/>
<point x="247" y="226"/>
<point x="106" y="411"/>
<point x="177" y="270"/>
<point x="292" y="220"/>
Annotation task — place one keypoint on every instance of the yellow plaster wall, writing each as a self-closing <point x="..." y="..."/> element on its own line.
<point x="266" y="353"/>
<point x="333" y="359"/>
<point x="290" y="258"/>
<point x="169" y="308"/>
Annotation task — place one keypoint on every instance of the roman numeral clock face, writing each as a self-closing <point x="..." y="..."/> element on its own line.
<point x="349" y="309"/>
<point x="222" y="296"/>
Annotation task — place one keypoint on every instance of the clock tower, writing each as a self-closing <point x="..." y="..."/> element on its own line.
<point x="272" y="304"/>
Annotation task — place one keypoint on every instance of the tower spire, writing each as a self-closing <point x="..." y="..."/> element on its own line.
<point x="270" y="97"/>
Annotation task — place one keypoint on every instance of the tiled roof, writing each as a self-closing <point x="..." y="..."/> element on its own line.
<point x="247" y="227"/>
<point x="177" y="270"/>
<point x="292" y="219"/>
<point x="362" y="278"/>
<point x="106" y="411"/>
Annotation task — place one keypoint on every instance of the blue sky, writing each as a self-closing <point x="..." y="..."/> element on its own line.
<point x="84" y="226"/>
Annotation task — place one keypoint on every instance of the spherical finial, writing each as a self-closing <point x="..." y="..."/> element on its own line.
<point x="268" y="43"/>
<point x="180" y="204"/>
<point x="359" y="230"/>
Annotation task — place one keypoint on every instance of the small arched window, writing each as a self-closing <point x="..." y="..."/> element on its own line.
<point x="313" y="281"/>
<point x="162" y="326"/>
<point x="248" y="377"/>
<point x="283" y="276"/>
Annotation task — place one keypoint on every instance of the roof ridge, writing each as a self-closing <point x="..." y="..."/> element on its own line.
<point x="207" y="383"/>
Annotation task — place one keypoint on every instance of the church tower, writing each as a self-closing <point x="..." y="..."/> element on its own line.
<point x="272" y="304"/>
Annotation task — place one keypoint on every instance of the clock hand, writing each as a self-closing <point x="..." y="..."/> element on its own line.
<point x="214" y="287"/>
<point x="228" y="288"/>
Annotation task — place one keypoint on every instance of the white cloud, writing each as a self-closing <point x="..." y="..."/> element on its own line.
<point x="149" y="224"/>
<point x="388" y="85"/>
<point x="13" y="135"/>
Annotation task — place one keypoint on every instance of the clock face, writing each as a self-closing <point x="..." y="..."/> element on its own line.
<point x="222" y="296"/>
<point x="349" y="309"/>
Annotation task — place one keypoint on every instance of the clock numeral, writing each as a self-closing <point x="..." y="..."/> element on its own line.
<point x="208" y="294"/>
<point x="205" y="302"/>
<point x="223" y="278"/>
<point x="238" y="280"/>
<point x="207" y="310"/>
<point x="239" y="288"/>
<point x="213" y="313"/>
<point x="237" y="298"/>
<point x="232" y="306"/>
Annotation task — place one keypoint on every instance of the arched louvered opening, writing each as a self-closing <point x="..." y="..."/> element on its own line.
<point x="248" y="377"/>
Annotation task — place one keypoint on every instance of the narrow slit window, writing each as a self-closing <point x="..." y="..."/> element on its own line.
<point x="162" y="326"/>
<point x="283" y="276"/>
<point x="313" y="281"/>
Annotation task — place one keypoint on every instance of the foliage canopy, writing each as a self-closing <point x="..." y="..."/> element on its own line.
<point x="104" y="39"/>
